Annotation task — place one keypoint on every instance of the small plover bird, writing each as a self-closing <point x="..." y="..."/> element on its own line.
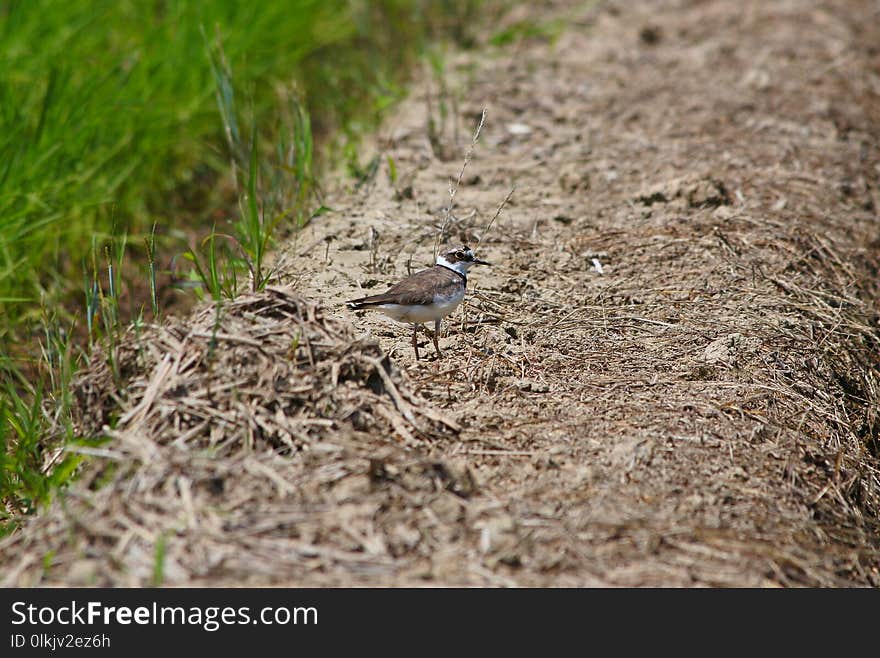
<point x="431" y="294"/>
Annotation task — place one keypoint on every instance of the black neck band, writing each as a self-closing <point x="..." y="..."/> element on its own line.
<point x="451" y="269"/>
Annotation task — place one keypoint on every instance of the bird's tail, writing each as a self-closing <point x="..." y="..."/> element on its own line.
<point x="366" y="302"/>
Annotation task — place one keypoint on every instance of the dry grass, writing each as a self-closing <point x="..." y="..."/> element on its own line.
<point x="264" y="399"/>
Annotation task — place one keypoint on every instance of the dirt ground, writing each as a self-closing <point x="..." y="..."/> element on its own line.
<point x="669" y="377"/>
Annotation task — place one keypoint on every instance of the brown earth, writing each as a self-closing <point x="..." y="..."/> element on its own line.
<point x="669" y="377"/>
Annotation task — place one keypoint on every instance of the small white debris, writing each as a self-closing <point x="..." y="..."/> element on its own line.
<point x="598" y="266"/>
<point x="519" y="129"/>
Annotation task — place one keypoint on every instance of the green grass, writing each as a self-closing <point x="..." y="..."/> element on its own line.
<point x="159" y="561"/>
<point x="134" y="132"/>
<point x="108" y="111"/>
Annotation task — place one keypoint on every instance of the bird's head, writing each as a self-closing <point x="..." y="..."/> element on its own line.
<point x="460" y="259"/>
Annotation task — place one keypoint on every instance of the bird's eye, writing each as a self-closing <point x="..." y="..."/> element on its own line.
<point x="460" y="255"/>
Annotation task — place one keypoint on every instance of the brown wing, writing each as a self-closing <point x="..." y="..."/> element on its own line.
<point x="419" y="288"/>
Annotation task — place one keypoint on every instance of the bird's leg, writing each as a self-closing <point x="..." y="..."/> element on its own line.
<point x="415" y="341"/>
<point x="437" y="333"/>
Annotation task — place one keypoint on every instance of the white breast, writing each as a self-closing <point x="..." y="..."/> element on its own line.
<point x="440" y="308"/>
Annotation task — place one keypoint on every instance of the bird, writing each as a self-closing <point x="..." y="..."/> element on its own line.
<point x="427" y="295"/>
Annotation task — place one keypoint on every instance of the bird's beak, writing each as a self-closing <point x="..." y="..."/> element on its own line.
<point x="477" y="261"/>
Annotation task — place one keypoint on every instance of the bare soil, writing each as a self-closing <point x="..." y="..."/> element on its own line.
<point x="669" y="377"/>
